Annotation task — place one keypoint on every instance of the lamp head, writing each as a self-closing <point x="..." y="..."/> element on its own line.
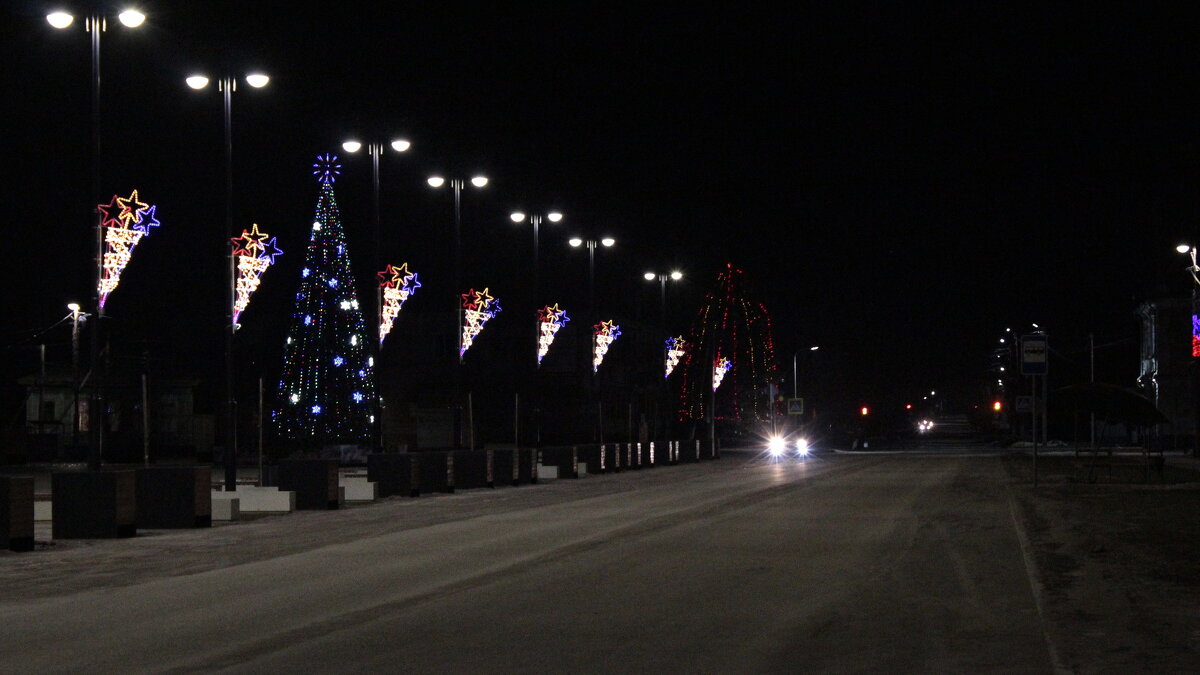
<point x="517" y="217"/>
<point x="649" y="276"/>
<point x="60" y="20"/>
<point x="257" y="80"/>
<point x="132" y="18"/>
<point x="608" y="241"/>
<point x="197" y="81"/>
<point x="352" y="146"/>
<point x="554" y="216"/>
<point x="401" y="145"/>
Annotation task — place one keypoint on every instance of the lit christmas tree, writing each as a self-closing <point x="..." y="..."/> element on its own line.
<point x="327" y="390"/>
<point x="730" y="341"/>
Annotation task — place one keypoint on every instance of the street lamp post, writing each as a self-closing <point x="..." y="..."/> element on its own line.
<point x="95" y="24"/>
<point x="591" y="244"/>
<point x="456" y="185"/>
<point x="1194" y="270"/>
<point x="535" y="219"/>
<point x="375" y="149"/>
<point x="675" y="275"/>
<point x="227" y="85"/>
<point x="77" y="317"/>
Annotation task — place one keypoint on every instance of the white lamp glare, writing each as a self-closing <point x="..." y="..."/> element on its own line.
<point x="479" y="181"/>
<point x="575" y="241"/>
<point x="1183" y="248"/>
<point x="608" y="241"/>
<point x="517" y="216"/>
<point x="131" y="18"/>
<point x="648" y="276"/>
<point x="257" y="80"/>
<point x="60" y="20"/>
<point x="74" y="306"/>
<point x="554" y="216"/>
<point x="436" y="181"/>
<point x="676" y="275"/>
<point x="197" y="81"/>
<point x="351" y="146"/>
<point x="401" y="145"/>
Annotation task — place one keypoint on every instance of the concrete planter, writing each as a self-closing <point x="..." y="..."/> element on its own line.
<point x="474" y="469"/>
<point x="95" y="504"/>
<point x="315" y="482"/>
<point x="16" y="513"/>
<point x="435" y="470"/>
<point x="174" y="496"/>
<point x="566" y="458"/>
<point x="527" y="465"/>
<point x="506" y="466"/>
<point x="395" y="473"/>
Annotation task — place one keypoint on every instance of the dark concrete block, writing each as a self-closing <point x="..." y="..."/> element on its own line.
<point x="95" y="504"/>
<point x="506" y="466"/>
<point x="566" y="458"/>
<point x="435" y="470"/>
<point x="174" y="496"/>
<point x="395" y="473"/>
<point x="16" y="513"/>
<point x="473" y="469"/>
<point x="315" y="482"/>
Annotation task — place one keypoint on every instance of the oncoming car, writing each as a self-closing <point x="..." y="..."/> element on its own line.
<point x="779" y="447"/>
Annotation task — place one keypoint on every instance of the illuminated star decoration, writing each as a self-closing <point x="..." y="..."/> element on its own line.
<point x="1196" y="335"/>
<point x="397" y="284"/>
<point x="254" y="255"/>
<point x="550" y="320"/>
<point x="478" y="308"/>
<point x="603" y="335"/>
<point x="326" y="168"/>
<point x="722" y="366"/>
<point x="125" y="220"/>
<point x="675" y="350"/>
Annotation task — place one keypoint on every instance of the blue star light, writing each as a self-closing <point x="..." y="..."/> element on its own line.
<point x="326" y="168"/>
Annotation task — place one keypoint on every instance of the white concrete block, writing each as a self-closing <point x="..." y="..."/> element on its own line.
<point x="547" y="472"/>
<point x="225" y="506"/>
<point x="43" y="510"/>
<point x="358" y="489"/>
<point x="582" y="468"/>
<point x="256" y="499"/>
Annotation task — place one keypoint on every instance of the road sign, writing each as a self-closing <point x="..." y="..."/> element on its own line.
<point x="1025" y="404"/>
<point x="1033" y="354"/>
<point x="795" y="406"/>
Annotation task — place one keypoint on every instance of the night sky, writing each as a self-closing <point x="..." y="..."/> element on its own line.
<point x="899" y="184"/>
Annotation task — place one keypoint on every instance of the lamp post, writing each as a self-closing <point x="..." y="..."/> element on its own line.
<point x="456" y="185"/>
<point x="675" y="275"/>
<point x="95" y="24"/>
<point x="375" y="149"/>
<point x="1194" y="270"/>
<point x="591" y="244"/>
<point x="77" y="317"/>
<point x="535" y="219"/>
<point x="227" y="85"/>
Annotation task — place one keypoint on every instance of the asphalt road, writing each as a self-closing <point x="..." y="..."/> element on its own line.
<point x="838" y="564"/>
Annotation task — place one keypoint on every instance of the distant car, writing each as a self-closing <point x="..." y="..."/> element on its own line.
<point x="779" y="447"/>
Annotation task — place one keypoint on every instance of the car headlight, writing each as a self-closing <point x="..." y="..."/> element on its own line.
<point x="801" y="447"/>
<point x="776" y="446"/>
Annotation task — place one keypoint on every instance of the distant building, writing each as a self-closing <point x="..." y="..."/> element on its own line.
<point x="1167" y="370"/>
<point x="57" y="418"/>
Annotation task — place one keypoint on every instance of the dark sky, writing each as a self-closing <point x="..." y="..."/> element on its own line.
<point x="899" y="184"/>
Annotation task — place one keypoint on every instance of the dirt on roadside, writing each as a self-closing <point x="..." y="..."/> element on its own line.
<point x="1116" y="549"/>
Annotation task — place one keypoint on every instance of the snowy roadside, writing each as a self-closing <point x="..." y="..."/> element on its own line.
<point x="1116" y="560"/>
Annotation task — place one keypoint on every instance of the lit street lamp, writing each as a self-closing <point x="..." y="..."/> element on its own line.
<point x="95" y="24"/>
<point x="457" y="184"/>
<point x="535" y="219"/>
<point x="675" y="275"/>
<point x="375" y="149"/>
<point x="591" y="244"/>
<point x="227" y="85"/>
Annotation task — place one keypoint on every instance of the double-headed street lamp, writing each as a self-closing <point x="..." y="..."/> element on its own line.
<point x="95" y="24"/>
<point x="535" y="219"/>
<point x="456" y="185"/>
<point x="227" y="85"/>
<point x="675" y="275"/>
<point x="375" y="149"/>
<point x="606" y="242"/>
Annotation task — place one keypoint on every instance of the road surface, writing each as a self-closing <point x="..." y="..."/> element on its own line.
<point x="837" y="564"/>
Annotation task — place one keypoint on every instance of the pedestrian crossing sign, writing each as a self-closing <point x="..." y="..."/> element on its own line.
<point x="795" y="406"/>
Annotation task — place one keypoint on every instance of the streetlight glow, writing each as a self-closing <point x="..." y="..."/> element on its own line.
<point x="479" y="181"/>
<point x="352" y="146"/>
<point x="73" y="306"/>
<point x="554" y="216"/>
<point x="436" y="181"/>
<point x="575" y="241"/>
<point x="608" y="241"/>
<point x="132" y="18"/>
<point x="1183" y="248"/>
<point x="648" y="276"/>
<point x="197" y="81"/>
<point x="60" y="20"/>
<point x="257" y="80"/>
<point x="676" y="275"/>
<point x="517" y="216"/>
<point x="401" y="145"/>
